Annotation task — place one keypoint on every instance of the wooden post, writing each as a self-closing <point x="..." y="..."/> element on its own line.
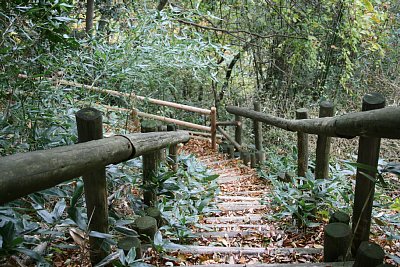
<point x="302" y="145"/>
<point x="173" y="151"/>
<point x="146" y="226"/>
<point x="90" y="127"/>
<point x="129" y="242"/>
<point x="245" y="157"/>
<point x="336" y="242"/>
<point x="253" y="162"/>
<point x="369" y="255"/>
<point x="238" y="130"/>
<point x="163" y="152"/>
<point x="151" y="164"/>
<point x="213" y="117"/>
<point x="257" y="126"/>
<point x="340" y="216"/>
<point x="323" y="144"/>
<point x="231" y="151"/>
<point x="258" y="135"/>
<point x="368" y="154"/>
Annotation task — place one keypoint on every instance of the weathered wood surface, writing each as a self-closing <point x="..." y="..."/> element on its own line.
<point x="127" y="95"/>
<point x="323" y="144"/>
<point x="43" y="169"/>
<point x="230" y="139"/>
<point x="239" y="198"/>
<point x="368" y="154"/>
<point x="302" y="145"/>
<point x="231" y="233"/>
<point x="90" y="127"/>
<point x="233" y="226"/>
<point x="384" y="123"/>
<point x="160" y="118"/>
<point x="229" y="179"/>
<point x="151" y="165"/>
<point x="236" y="206"/>
<point x="247" y="218"/>
<point x="213" y="128"/>
<point x="322" y="264"/>
<point x="243" y="250"/>
<point x="257" y="128"/>
<point x="229" y="123"/>
<point x="238" y="130"/>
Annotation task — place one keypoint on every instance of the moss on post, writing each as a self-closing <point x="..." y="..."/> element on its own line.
<point x="340" y="216"/>
<point x="151" y="164"/>
<point x="369" y="255"/>
<point x="336" y="242"/>
<point x="127" y="243"/>
<point x="156" y="214"/>
<point x="147" y="227"/>
<point x="90" y="127"/>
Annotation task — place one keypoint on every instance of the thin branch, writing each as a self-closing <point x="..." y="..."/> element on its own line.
<point x="232" y="32"/>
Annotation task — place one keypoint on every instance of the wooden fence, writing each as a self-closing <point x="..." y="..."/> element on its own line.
<point x="372" y="124"/>
<point x="212" y="112"/>
<point x="26" y="173"/>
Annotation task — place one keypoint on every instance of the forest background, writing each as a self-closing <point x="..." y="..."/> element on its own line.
<point x="286" y="54"/>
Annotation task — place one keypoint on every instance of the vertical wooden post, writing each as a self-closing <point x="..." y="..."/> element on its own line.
<point x="90" y="127"/>
<point x="151" y="162"/>
<point x="213" y="118"/>
<point x="253" y="162"/>
<point x="258" y="135"/>
<point x="238" y="130"/>
<point x="368" y="154"/>
<point x="369" y="254"/>
<point x="231" y="151"/>
<point x="336" y="241"/>
<point x="163" y="152"/>
<point x="173" y="150"/>
<point x="323" y="144"/>
<point x="302" y="145"/>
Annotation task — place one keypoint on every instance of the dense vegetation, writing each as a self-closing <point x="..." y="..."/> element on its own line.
<point x="287" y="54"/>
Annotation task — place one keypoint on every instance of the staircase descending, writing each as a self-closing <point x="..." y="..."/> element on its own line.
<point x="240" y="235"/>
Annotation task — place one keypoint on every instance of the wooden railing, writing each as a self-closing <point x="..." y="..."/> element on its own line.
<point x="26" y="173"/>
<point x="372" y="124"/>
<point x="212" y="112"/>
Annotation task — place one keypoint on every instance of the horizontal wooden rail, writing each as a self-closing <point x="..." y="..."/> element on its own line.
<point x="205" y="134"/>
<point x="25" y="173"/>
<point x="128" y="95"/>
<point x="160" y="118"/>
<point x="384" y="123"/>
<point x="232" y="140"/>
<point x="229" y="123"/>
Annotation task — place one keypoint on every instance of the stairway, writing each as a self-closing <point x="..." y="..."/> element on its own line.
<point x="240" y="235"/>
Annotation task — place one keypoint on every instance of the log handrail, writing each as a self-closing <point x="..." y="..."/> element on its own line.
<point x="160" y="118"/>
<point x="128" y="95"/>
<point x="26" y="173"/>
<point x="383" y="123"/>
<point x="209" y="112"/>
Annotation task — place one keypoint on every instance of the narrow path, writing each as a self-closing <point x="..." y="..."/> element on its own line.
<point x="239" y="234"/>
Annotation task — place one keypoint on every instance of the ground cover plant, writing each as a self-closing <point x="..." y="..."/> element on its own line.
<point x="203" y="53"/>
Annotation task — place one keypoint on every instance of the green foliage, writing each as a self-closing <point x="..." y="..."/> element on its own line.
<point x="306" y="199"/>
<point x="188" y="194"/>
